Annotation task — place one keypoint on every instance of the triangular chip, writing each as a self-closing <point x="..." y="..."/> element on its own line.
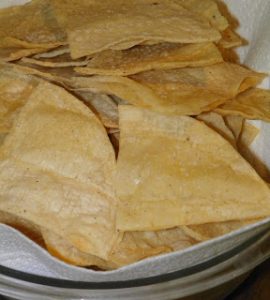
<point x="63" y="61"/>
<point x="56" y="170"/>
<point x="15" y="51"/>
<point x="209" y="231"/>
<point x="103" y="105"/>
<point x="252" y="104"/>
<point x="216" y="122"/>
<point x="62" y="249"/>
<point x="133" y="247"/>
<point x="31" y="230"/>
<point x="230" y="55"/>
<point x="208" y="9"/>
<point x="230" y="39"/>
<point x="248" y="134"/>
<point x="61" y="76"/>
<point x="62" y="50"/>
<point x="186" y="91"/>
<point x="235" y="124"/>
<point x="15" y="88"/>
<point x="139" y="245"/>
<point x="94" y="26"/>
<point x="174" y="170"/>
<point x="145" y="58"/>
<point x="28" y="29"/>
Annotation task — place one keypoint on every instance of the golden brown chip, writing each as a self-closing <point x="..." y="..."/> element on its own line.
<point x="216" y="122"/>
<point x="252" y="104"/>
<point x="94" y="26"/>
<point x="61" y="76"/>
<point x="133" y="247"/>
<point x="102" y="105"/>
<point x="230" y="55"/>
<point x="62" y="249"/>
<point x="230" y="39"/>
<point x="26" y="227"/>
<point x="209" y="10"/>
<point x="139" y="245"/>
<point x="226" y="12"/>
<point x="209" y="231"/>
<point x="58" y="150"/>
<point x="235" y="124"/>
<point x="28" y="29"/>
<point x="15" y="52"/>
<point x="62" y="61"/>
<point x="174" y="170"/>
<point x="62" y="50"/>
<point x="105" y="108"/>
<point x="15" y="88"/>
<point x="248" y="134"/>
<point x="186" y="91"/>
<point x="144" y="58"/>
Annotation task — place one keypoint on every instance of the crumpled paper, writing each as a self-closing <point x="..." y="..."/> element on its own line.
<point x="19" y="253"/>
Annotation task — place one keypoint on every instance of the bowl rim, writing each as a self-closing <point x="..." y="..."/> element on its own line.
<point x="131" y="283"/>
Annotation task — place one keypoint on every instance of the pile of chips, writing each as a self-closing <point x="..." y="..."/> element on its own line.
<point x="161" y="75"/>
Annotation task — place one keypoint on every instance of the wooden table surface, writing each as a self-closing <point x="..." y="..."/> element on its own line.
<point x="256" y="287"/>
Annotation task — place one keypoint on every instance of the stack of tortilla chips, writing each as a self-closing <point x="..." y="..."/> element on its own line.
<point x="161" y="75"/>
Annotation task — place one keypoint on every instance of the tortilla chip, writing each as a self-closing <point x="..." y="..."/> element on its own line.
<point x="217" y="123"/>
<point x="103" y="106"/>
<point x="29" y="229"/>
<point x="187" y="91"/>
<point x="14" y="53"/>
<point x="248" y="134"/>
<point x="53" y="53"/>
<point x="144" y="58"/>
<point x="230" y="55"/>
<point x="58" y="150"/>
<point x="62" y="249"/>
<point x="208" y="9"/>
<point x="235" y="124"/>
<point x="174" y="170"/>
<point x="230" y="39"/>
<point x="252" y="104"/>
<point x="15" y="88"/>
<point x="28" y="29"/>
<point x="133" y="247"/>
<point x="92" y="29"/>
<point x="139" y="245"/>
<point x="51" y="64"/>
<point x="61" y="76"/>
<point x="226" y="12"/>
<point x="210" y="231"/>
